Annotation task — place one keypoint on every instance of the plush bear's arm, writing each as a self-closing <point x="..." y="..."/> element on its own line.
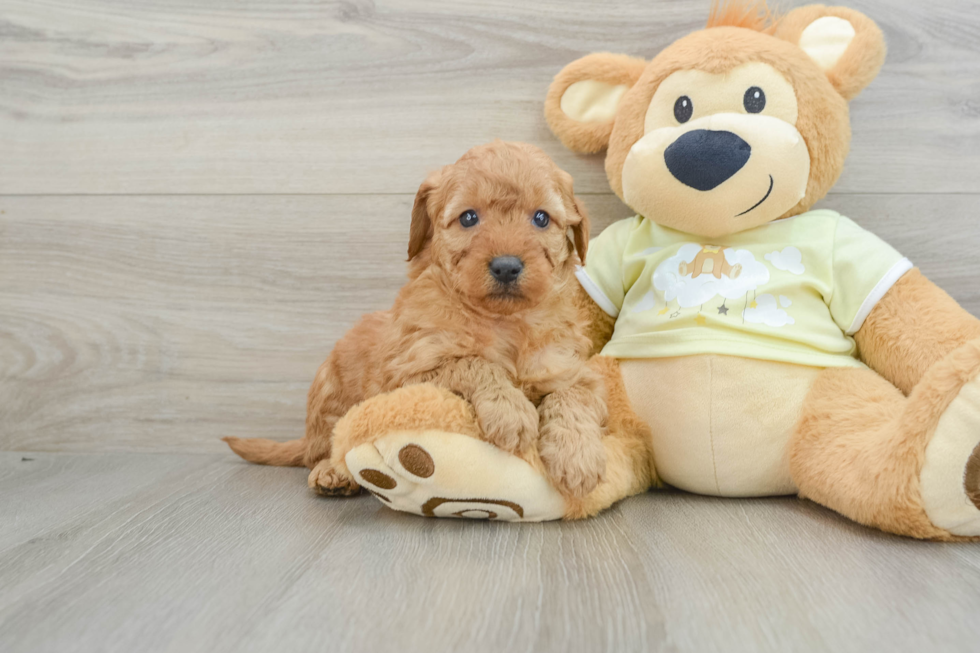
<point x="599" y="324"/>
<point x="913" y="326"/>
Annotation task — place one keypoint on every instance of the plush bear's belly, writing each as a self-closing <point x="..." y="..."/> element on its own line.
<point x="721" y="424"/>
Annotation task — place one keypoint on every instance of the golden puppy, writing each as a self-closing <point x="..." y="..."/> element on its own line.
<point x="488" y="313"/>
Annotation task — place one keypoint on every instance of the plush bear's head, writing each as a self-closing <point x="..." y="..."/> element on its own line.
<point x="727" y="128"/>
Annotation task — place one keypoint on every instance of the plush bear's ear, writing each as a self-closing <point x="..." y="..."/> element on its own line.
<point x="583" y="99"/>
<point x="847" y="45"/>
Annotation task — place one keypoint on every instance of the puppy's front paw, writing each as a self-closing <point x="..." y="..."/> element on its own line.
<point x="326" y="481"/>
<point x="508" y="419"/>
<point x="573" y="454"/>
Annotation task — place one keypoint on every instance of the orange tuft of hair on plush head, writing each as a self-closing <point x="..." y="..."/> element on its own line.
<point x="750" y="14"/>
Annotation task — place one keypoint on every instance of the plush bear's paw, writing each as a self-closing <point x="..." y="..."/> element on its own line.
<point x="950" y="476"/>
<point x="441" y="474"/>
<point x="508" y="420"/>
<point x="573" y="454"/>
<point x="326" y="481"/>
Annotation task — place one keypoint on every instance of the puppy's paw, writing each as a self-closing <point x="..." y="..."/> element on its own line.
<point x="508" y="420"/>
<point x="573" y="454"/>
<point x="326" y="481"/>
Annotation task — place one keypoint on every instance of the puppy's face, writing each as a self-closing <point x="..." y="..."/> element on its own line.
<point x="496" y="223"/>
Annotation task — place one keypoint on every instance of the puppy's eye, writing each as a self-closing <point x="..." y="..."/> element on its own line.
<point x="754" y="100"/>
<point x="468" y="219"/>
<point x="683" y="109"/>
<point x="541" y="219"/>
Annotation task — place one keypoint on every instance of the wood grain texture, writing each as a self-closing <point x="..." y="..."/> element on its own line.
<point x="164" y="323"/>
<point x="205" y="553"/>
<point x="365" y="97"/>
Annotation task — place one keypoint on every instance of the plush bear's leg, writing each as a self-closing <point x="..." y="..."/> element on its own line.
<point x="418" y="449"/>
<point x="907" y="465"/>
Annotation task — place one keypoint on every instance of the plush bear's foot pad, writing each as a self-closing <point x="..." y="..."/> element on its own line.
<point x="950" y="477"/>
<point x="972" y="477"/>
<point x="441" y="474"/>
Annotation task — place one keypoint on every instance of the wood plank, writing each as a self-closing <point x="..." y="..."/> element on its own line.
<point x="43" y="490"/>
<point x="365" y="97"/>
<point x="164" y="323"/>
<point x="216" y="555"/>
<point x="788" y="575"/>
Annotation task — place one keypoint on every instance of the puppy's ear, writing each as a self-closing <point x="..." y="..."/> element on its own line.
<point x="420" y="233"/>
<point x="580" y="231"/>
<point x="583" y="99"/>
<point x="847" y="45"/>
<point x="578" y="217"/>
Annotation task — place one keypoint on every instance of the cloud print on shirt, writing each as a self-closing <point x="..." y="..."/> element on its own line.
<point x="694" y="291"/>
<point x="767" y="312"/>
<point x="790" y="260"/>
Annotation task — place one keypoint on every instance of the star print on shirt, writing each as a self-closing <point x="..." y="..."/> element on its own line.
<point x="723" y="310"/>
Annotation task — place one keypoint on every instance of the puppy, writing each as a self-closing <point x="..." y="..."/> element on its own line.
<point x="488" y="313"/>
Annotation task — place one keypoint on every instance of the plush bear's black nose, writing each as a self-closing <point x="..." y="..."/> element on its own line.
<point x="703" y="159"/>
<point x="506" y="269"/>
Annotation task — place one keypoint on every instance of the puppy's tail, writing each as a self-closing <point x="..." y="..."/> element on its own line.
<point x="269" y="452"/>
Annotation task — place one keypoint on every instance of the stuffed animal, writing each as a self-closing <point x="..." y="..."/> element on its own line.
<point x="752" y="346"/>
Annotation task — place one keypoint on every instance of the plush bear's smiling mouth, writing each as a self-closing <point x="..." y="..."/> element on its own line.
<point x="765" y="197"/>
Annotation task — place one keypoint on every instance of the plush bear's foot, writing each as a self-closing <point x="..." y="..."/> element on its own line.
<point x="950" y="476"/>
<point x="442" y="474"/>
<point x="326" y="481"/>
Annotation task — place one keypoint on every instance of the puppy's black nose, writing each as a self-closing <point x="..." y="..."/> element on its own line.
<point x="506" y="269"/>
<point x="703" y="159"/>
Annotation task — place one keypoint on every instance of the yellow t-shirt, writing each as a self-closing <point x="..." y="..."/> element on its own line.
<point x="794" y="290"/>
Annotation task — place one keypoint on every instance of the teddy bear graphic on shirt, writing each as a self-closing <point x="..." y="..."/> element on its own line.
<point x="697" y="274"/>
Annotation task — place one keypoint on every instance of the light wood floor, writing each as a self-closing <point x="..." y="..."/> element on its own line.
<point x="198" y="198"/>
<point x="182" y="552"/>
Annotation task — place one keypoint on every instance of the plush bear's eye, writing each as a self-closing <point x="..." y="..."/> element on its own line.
<point x="683" y="109"/>
<point x="754" y="100"/>
<point x="541" y="219"/>
<point x="469" y="218"/>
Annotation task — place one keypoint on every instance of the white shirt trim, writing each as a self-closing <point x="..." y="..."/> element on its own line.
<point x="595" y="292"/>
<point x="879" y="291"/>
